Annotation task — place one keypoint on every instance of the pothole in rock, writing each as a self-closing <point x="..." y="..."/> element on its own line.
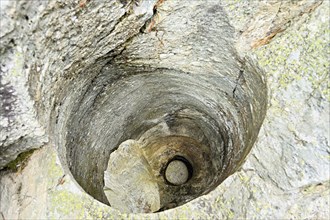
<point x="147" y="141"/>
<point x="149" y="137"/>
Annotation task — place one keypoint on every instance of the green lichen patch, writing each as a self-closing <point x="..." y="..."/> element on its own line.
<point x="301" y="52"/>
<point x="54" y="169"/>
<point x="68" y="204"/>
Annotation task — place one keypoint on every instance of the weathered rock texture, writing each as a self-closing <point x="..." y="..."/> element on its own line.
<point x="58" y="59"/>
<point x="129" y="184"/>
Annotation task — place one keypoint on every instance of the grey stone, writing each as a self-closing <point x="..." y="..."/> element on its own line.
<point x="176" y="172"/>
<point x="52" y="51"/>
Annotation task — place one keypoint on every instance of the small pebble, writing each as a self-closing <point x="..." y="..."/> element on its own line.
<point x="176" y="172"/>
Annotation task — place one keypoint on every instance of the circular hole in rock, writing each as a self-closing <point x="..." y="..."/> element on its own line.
<point x="119" y="131"/>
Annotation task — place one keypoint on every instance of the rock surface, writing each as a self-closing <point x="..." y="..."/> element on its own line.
<point x="128" y="181"/>
<point x="286" y="176"/>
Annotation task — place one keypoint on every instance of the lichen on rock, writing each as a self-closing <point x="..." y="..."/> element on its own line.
<point x="84" y="75"/>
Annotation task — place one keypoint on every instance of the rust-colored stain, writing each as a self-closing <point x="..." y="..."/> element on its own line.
<point x="266" y="39"/>
<point x="153" y="20"/>
<point x="272" y="33"/>
<point x="82" y="3"/>
<point x="61" y="180"/>
<point x="151" y="25"/>
<point x="159" y="2"/>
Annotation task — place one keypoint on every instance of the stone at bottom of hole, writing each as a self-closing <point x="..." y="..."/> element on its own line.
<point x="176" y="172"/>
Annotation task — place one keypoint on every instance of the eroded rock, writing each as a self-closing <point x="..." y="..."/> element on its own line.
<point x="70" y="56"/>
